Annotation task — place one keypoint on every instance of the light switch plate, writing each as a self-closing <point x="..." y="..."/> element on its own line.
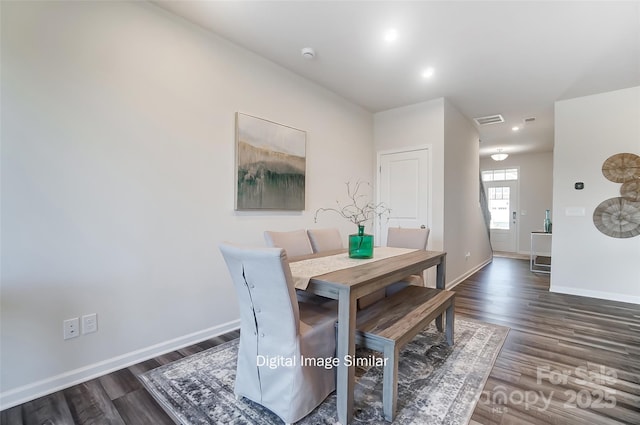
<point x="574" y="211"/>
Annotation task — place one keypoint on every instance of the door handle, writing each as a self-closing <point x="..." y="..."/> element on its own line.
<point x="514" y="216"/>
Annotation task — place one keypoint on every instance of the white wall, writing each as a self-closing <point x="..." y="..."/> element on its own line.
<point x="535" y="186"/>
<point x="453" y="143"/>
<point x="418" y="125"/>
<point x="588" y="130"/>
<point x="464" y="227"/>
<point x="118" y="181"/>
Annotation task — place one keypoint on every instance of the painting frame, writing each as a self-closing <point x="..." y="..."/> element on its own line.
<point x="270" y="165"/>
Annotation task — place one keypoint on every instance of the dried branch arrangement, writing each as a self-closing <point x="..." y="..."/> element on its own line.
<point x="359" y="211"/>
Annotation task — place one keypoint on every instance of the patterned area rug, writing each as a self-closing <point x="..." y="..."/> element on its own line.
<point x="437" y="384"/>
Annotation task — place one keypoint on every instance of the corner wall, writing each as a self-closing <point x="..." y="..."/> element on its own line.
<point x="457" y="224"/>
<point x="589" y="130"/>
<point x="418" y="125"/>
<point x="464" y="226"/>
<point x="118" y="182"/>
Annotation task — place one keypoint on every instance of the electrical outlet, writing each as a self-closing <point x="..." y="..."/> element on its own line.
<point x="467" y="255"/>
<point x="89" y="323"/>
<point x="71" y="328"/>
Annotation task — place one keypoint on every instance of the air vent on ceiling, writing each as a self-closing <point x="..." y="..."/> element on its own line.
<point x="490" y="119"/>
<point x="529" y="120"/>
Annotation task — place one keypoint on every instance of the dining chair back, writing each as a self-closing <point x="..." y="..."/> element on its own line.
<point x="325" y="239"/>
<point x="408" y="238"/>
<point x="274" y="326"/>
<point x="296" y="242"/>
<point x="400" y="238"/>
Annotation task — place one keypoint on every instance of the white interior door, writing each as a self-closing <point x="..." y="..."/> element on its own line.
<point x="404" y="187"/>
<point x="502" y="198"/>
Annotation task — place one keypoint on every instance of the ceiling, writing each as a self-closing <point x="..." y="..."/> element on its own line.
<point x="510" y="58"/>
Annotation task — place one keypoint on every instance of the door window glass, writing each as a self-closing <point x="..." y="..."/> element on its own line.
<point x="499" y="207"/>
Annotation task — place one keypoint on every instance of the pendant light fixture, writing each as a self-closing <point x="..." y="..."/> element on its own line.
<point x="499" y="156"/>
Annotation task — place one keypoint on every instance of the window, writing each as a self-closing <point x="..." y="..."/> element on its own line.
<point x="500" y="175"/>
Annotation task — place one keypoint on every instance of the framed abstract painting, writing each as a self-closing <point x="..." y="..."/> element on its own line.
<point x="270" y="165"/>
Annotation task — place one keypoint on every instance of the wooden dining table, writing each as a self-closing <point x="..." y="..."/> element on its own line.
<point x="355" y="281"/>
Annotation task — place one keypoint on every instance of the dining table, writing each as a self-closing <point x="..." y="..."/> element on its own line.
<point x="334" y="275"/>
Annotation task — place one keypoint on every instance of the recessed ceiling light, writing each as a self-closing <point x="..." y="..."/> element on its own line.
<point x="390" y="35"/>
<point x="428" y="72"/>
<point x="515" y="128"/>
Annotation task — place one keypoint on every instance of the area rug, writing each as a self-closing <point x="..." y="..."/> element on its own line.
<point x="437" y="384"/>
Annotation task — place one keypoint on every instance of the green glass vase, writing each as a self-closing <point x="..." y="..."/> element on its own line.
<point x="361" y="244"/>
<point x="547" y="221"/>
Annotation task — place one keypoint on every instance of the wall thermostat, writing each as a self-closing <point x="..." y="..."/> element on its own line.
<point x="579" y="185"/>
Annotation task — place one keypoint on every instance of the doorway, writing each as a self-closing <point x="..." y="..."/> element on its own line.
<point x="501" y="188"/>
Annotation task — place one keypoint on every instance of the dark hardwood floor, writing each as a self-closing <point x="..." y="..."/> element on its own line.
<point x="117" y="398"/>
<point x="566" y="360"/>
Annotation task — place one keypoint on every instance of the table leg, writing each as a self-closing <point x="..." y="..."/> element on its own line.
<point x="440" y="282"/>
<point x="531" y="254"/>
<point x="450" y="312"/>
<point x="346" y="348"/>
<point x="440" y="273"/>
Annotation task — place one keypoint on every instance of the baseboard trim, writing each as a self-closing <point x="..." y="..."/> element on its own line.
<point x="462" y="278"/>
<point x="59" y="382"/>
<point x="611" y="296"/>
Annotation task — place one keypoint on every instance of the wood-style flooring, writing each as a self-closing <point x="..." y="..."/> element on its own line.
<point x="566" y="360"/>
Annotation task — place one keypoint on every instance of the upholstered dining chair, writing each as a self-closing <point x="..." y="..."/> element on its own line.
<point x="296" y="242"/>
<point x="400" y="238"/>
<point x="325" y="239"/>
<point x="407" y="238"/>
<point x="275" y="327"/>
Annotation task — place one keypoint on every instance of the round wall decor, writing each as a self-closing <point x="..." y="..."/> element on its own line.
<point x="631" y="190"/>
<point x="622" y="167"/>
<point x="618" y="218"/>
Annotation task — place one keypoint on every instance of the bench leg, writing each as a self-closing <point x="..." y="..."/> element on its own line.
<point x="439" y="323"/>
<point x="450" y="321"/>
<point x="390" y="382"/>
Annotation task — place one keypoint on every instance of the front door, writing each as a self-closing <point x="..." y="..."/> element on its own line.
<point x="502" y="199"/>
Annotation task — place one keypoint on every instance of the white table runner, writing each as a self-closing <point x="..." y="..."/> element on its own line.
<point x="304" y="270"/>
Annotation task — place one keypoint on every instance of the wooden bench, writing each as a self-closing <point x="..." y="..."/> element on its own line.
<point x="389" y="324"/>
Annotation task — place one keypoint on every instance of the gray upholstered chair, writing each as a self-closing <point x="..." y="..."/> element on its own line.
<point x="274" y="326"/>
<point x="400" y="238"/>
<point x="407" y="238"/>
<point x="325" y="239"/>
<point x="296" y="242"/>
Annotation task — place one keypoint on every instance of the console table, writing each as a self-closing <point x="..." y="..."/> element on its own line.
<point x="539" y="263"/>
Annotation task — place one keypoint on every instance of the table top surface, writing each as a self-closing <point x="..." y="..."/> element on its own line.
<point x="387" y="268"/>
